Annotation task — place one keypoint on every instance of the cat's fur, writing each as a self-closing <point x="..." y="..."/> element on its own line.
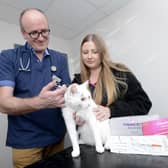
<point x="78" y="100"/>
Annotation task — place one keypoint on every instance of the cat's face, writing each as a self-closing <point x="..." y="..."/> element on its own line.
<point x="78" y="96"/>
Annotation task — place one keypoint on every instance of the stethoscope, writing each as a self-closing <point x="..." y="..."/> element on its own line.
<point x="26" y="66"/>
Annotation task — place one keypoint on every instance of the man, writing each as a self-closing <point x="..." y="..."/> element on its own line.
<point x="28" y="94"/>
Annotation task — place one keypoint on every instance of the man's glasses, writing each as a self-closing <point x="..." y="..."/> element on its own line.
<point x="36" y="34"/>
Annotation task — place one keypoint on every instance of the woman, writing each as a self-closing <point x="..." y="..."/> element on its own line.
<point x="114" y="87"/>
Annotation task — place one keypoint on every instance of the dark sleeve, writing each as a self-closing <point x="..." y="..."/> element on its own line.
<point x="65" y="76"/>
<point x="134" y="102"/>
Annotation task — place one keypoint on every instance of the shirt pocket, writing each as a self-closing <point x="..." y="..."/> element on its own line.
<point x="23" y="84"/>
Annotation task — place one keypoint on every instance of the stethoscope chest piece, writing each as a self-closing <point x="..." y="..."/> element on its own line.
<point x="53" y="68"/>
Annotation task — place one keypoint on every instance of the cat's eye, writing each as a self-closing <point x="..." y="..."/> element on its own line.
<point x="83" y="98"/>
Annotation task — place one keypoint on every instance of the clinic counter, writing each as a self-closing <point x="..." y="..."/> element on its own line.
<point x="89" y="158"/>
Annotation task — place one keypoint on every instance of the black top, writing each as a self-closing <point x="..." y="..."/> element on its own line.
<point x="134" y="102"/>
<point x="89" y="158"/>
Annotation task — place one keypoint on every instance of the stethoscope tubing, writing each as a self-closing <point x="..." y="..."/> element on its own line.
<point x="26" y="68"/>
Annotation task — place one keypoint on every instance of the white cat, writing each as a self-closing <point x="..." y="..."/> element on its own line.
<point x="78" y="100"/>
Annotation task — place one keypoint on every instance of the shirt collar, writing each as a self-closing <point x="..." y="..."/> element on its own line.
<point x="46" y="52"/>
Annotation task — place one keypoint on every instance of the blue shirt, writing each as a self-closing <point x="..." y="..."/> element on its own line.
<point x="43" y="127"/>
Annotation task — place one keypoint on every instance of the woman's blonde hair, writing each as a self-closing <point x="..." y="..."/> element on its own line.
<point x="106" y="79"/>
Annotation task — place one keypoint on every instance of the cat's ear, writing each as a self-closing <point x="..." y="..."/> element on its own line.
<point x="86" y="84"/>
<point x="73" y="89"/>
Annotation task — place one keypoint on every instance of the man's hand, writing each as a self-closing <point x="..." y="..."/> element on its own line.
<point x="52" y="98"/>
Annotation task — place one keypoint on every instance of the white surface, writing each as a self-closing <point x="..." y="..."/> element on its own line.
<point x="148" y="145"/>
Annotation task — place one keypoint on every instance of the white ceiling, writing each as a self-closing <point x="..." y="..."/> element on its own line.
<point x="67" y="18"/>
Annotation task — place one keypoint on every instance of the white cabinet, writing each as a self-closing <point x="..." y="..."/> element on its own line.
<point x="5" y="152"/>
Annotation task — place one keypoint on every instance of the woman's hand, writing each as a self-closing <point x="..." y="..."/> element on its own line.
<point x="102" y="113"/>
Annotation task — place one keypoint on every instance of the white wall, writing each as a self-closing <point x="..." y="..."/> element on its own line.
<point x="10" y="34"/>
<point x="137" y="35"/>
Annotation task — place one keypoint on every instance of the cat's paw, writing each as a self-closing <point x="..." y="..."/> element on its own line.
<point x="100" y="149"/>
<point x="75" y="153"/>
<point x="107" y="145"/>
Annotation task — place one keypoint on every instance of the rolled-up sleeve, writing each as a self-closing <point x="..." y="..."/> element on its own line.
<point x="7" y="69"/>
